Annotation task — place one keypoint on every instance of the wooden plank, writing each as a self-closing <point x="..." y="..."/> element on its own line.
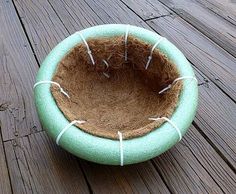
<point x="148" y="9"/>
<point x="217" y="64"/>
<point x="18" y="180"/>
<point x="75" y="15"/>
<point x="193" y="160"/>
<point x="213" y="103"/>
<point x="38" y="152"/>
<point x="210" y="24"/>
<point x="223" y="8"/>
<point x="17" y="74"/>
<point x="214" y="61"/>
<point x="111" y="11"/>
<point x="5" y="186"/>
<point x="137" y="178"/>
<point x="209" y="159"/>
<point x="193" y="166"/>
<point x="18" y="117"/>
<point x="37" y="165"/>
<point x="43" y="24"/>
<point x="216" y="118"/>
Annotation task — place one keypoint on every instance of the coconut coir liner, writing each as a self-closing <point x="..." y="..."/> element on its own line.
<point x="124" y="101"/>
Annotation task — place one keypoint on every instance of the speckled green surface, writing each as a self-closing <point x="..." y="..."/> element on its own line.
<point x="102" y="150"/>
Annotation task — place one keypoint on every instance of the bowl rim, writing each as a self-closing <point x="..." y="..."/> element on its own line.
<point x="104" y="150"/>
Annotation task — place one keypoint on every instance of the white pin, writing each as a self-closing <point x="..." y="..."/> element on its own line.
<point x="126" y="41"/>
<point x="107" y="66"/>
<point x="66" y="128"/>
<point x="106" y="63"/>
<point x="169" y="121"/>
<point x="176" y="80"/>
<point x="52" y="82"/>
<point x="106" y="75"/>
<point x="87" y="46"/>
<point x="153" y="48"/>
<point x="121" y="148"/>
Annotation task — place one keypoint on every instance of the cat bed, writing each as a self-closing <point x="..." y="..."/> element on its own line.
<point x="116" y="94"/>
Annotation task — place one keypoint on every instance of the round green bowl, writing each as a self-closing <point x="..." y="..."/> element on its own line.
<point x="103" y="150"/>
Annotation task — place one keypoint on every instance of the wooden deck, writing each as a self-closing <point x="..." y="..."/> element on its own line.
<point x="203" y="162"/>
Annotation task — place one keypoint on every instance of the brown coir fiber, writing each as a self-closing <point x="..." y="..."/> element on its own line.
<point x="124" y="101"/>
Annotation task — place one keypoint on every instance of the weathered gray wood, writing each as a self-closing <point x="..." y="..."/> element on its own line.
<point x="213" y="103"/>
<point x="189" y="162"/>
<point x="37" y="165"/>
<point x="18" y="117"/>
<point x="210" y="24"/>
<point x="223" y="8"/>
<point x="74" y="15"/>
<point x="5" y="186"/>
<point x="20" y="184"/>
<point x="137" y="178"/>
<point x="148" y="9"/>
<point x="112" y="11"/>
<point x="214" y="61"/>
<point x="216" y="119"/>
<point x="183" y="173"/>
<point x="209" y="159"/>
<point x="217" y="64"/>
<point x="17" y="74"/>
<point x="45" y="29"/>
<point x="180" y="167"/>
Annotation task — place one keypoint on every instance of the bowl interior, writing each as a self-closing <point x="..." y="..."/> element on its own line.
<point x="116" y="94"/>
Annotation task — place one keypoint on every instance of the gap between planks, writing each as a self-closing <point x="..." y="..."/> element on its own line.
<point x="224" y="63"/>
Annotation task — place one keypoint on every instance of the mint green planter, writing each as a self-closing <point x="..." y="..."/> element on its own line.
<point x="103" y="150"/>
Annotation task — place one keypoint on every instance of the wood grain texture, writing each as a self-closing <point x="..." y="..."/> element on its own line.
<point x="138" y="178"/>
<point x="209" y="58"/>
<point x="183" y="173"/>
<point x="38" y="152"/>
<point x="148" y="9"/>
<point x="17" y="74"/>
<point x="209" y="23"/>
<point x="224" y="8"/>
<point x="216" y="112"/>
<point x="43" y="18"/>
<point x="216" y="119"/>
<point x="209" y="159"/>
<point x="37" y="165"/>
<point x="42" y="24"/>
<point x="113" y="11"/>
<point x="18" y="117"/>
<point x="216" y="63"/>
<point x="5" y="186"/>
<point x="193" y="162"/>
